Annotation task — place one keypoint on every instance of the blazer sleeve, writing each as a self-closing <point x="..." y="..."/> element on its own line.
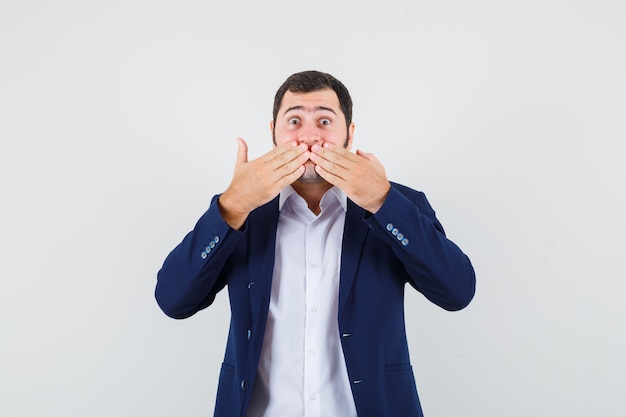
<point x="193" y="273"/>
<point x="435" y="265"/>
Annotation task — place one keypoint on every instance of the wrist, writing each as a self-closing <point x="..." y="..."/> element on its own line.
<point x="378" y="203"/>
<point x="232" y="214"/>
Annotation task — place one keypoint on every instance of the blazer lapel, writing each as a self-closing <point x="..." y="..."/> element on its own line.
<point x="261" y="254"/>
<point x="354" y="234"/>
<point x="261" y="250"/>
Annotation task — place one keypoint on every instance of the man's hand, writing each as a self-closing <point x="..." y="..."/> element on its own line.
<point x="258" y="181"/>
<point x="361" y="176"/>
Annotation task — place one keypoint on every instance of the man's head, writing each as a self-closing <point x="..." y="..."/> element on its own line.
<point x="308" y="81"/>
<point x="312" y="107"/>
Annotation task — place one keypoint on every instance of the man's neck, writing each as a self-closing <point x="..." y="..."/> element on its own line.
<point x="312" y="192"/>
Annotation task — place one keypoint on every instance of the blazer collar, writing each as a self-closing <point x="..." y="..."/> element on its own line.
<point x="286" y="192"/>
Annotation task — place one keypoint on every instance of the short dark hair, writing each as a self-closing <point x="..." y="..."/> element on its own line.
<point x="308" y="81"/>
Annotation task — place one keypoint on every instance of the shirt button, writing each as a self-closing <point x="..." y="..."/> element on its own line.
<point x="313" y="397"/>
<point x="311" y="352"/>
<point x="313" y="265"/>
<point x="314" y="309"/>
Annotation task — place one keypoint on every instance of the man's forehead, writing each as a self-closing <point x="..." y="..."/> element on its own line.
<point x="320" y="100"/>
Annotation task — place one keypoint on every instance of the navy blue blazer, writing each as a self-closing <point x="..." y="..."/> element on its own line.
<point x="402" y="243"/>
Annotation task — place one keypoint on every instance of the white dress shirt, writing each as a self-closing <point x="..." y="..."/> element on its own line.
<point x="302" y="371"/>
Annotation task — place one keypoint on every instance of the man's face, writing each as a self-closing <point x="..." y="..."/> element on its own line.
<point x="311" y="118"/>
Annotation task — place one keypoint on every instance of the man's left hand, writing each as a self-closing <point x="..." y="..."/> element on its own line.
<point x="361" y="176"/>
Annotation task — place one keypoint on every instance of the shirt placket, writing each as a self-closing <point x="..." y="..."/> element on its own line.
<point x="312" y="377"/>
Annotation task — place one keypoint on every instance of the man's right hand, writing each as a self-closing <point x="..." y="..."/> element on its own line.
<point x="258" y="181"/>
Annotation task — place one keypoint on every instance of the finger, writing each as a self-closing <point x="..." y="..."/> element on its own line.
<point x="366" y="155"/>
<point x="332" y="178"/>
<point x="332" y="162"/>
<point x="277" y="152"/>
<point x="336" y="154"/>
<point x="290" y="178"/>
<point x="283" y="154"/>
<point x="242" y="151"/>
<point x="373" y="161"/>
<point x="290" y="166"/>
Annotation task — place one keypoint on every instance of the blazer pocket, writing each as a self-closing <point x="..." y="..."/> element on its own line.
<point x="228" y="395"/>
<point x="228" y="368"/>
<point x="400" y="389"/>
<point x="398" y="367"/>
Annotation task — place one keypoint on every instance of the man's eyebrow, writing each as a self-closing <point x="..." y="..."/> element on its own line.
<point x="316" y="108"/>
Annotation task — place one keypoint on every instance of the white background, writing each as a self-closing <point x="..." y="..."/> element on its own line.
<point x="118" y="122"/>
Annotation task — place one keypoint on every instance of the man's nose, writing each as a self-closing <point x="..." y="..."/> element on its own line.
<point x="309" y="135"/>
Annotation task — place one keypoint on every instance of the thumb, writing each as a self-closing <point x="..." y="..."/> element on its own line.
<point x="242" y="151"/>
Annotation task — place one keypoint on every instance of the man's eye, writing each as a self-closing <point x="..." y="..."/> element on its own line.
<point x="325" y="122"/>
<point x="294" y="121"/>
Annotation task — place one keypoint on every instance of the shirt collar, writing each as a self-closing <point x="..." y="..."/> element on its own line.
<point x="286" y="192"/>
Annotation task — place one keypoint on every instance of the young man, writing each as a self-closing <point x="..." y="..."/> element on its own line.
<point x="316" y="246"/>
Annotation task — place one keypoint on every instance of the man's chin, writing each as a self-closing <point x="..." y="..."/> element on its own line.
<point x="310" y="180"/>
<point x="310" y="176"/>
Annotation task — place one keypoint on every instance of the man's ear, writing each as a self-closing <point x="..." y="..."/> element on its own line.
<point x="272" y="132"/>
<point x="350" y="136"/>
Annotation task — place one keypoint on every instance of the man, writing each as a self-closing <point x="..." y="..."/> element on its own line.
<point x="315" y="246"/>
